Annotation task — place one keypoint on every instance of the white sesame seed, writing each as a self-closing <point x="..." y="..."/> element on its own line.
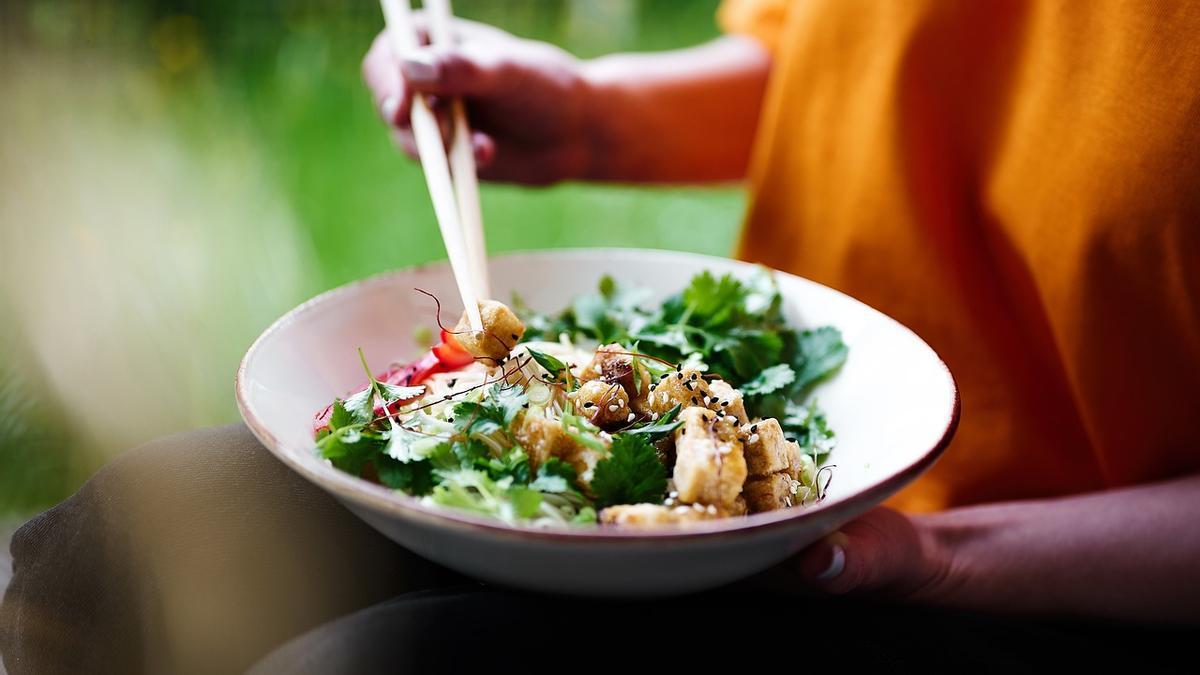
<point x="712" y="510"/>
<point x="621" y="402"/>
<point x="725" y="450"/>
<point x="698" y="507"/>
<point x="654" y="416"/>
<point x="630" y="418"/>
<point x="753" y="438"/>
<point x="673" y="494"/>
<point x="613" y="408"/>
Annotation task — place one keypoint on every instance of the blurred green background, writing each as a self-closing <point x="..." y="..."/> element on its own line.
<point x="175" y="175"/>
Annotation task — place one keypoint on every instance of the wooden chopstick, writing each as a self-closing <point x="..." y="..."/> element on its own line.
<point x="403" y="35"/>
<point x="462" y="158"/>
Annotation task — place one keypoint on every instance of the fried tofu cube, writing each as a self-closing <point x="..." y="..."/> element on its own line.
<point x="768" y="493"/>
<point x="652" y="515"/>
<point x="544" y="438"/>
<point x="722" y="396"/>
<point x="614" y="364"/>
<point x="502" y="330"/>
<point x="684" y="387"/>
<point x="605" y="405"/>
<point x="767" y="451"/>
<point x="541" y="437"/>
<point x="709" y="465"/>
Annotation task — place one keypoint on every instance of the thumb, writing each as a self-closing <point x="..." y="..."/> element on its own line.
<point x="465" y="70"/>
<point x="882" y="550"/>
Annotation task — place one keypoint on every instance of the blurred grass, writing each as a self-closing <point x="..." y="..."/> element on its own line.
<point x="176" y="174"/>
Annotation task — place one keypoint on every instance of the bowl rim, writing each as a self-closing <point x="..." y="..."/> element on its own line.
<point x="350" y="488"/>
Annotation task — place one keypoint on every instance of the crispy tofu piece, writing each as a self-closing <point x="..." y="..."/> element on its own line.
<point x="723" y="397"/>
<point x="652" y="515"/>
<point x="544" y="438"/>
<point x="769" y="493"/>
<point x="502" y="330"/>
<point x="767" y="451"/>
<point x="604" y="404"/>
<point x="709" y="465"/>
<point x="683" y="387"/>
<point x="613" y="364"/>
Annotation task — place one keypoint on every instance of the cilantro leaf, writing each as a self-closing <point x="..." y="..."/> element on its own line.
<point x="818" y="353"/>
<point x="360" y="407"/>
<point x="340" y="417"/>
<point x="770" y="379"/>
<point x="495" y="412"/>
<point x="555" y="475"/>
<point x="391" y="393"/>
<point x="415" y="478"/>
<point x="807" y="424"/>
<point x="631" y="474"/>
<point x="713" y="300"/>
<point x="350" y="448"/>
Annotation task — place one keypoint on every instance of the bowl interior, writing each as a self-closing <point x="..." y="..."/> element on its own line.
<point x="892" y="405"/>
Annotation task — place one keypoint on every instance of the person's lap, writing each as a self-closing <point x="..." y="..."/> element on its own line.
<point x="202" y="553"/>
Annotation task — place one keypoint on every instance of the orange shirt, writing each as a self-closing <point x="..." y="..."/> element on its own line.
<point x="1019" y="183"/>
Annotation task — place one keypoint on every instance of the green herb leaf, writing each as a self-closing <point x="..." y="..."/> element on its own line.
<point x="769" y="380"/>
<point x="495" y="412"/>
<point x="360" y="406"/>
<point x="555" y="475"/>
<point x="525" y="501"/>
<point x="713" y="300"/>
<point x="631" y="474"/>
<point x="415" y="478"/>
<point x="820" y="352"/>
<point x="547" y="361"/>
<point x="652" y="431"/>
<point x="585" y="516"/>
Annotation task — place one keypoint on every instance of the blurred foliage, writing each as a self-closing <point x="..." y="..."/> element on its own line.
<point x="211" y="163"/>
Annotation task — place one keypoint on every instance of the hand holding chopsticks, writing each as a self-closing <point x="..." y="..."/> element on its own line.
<point x="458" y="217"/>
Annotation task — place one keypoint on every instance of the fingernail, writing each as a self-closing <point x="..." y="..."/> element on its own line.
<point x="388" y="109"/>
<point x="420" y="67"/>
<point x="837" y="563"/>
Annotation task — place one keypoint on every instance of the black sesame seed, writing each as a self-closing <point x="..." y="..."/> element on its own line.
<point x="754" y="428"/>
<point x="450" y="419"/>
<point x="724" y="404"/>
<point x="515" y="336"/>
<point x="694" y="401"/>
<point x="694" y="376"/>
<point x="588" y="404"/>
<point x="791" y="440"/>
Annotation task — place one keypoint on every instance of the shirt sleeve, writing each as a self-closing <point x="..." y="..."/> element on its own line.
<point x="760" y="19"/>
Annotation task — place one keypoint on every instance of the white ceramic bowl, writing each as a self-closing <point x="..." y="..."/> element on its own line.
<point x="894" y="407"/>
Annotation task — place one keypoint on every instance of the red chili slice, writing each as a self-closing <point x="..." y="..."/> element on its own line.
<point x="447" y="356"/>
<point x="452" y="354"/>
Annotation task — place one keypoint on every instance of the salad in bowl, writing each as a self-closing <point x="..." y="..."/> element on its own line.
<point x="615" y="412"/>
<point x="479" y="452"/>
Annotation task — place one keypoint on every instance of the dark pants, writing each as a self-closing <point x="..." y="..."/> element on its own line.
<point x="202" y="553"/>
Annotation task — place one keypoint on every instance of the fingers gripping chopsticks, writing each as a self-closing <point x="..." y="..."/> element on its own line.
<point x="455" y="195"/>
